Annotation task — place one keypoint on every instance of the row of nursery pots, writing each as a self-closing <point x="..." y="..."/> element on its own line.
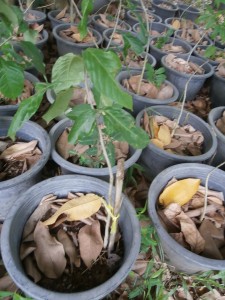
<point x="31" y="195"/>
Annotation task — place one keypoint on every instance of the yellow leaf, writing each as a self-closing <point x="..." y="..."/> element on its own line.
<point x="77" y="209"/>
<point x="179" y="192"/>
<point x="157" y="143"/>
<point x="164" y="135"/>
<point x="176" y="24"/>
<point x="153" y="126"/>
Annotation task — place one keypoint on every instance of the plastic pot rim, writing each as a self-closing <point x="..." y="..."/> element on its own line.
<point x="36" y="167"/>
<point x="167" y="22"/>
<point x="41" y="14"/>
<point x="94" y="19"/>
<point x="156" y="149"/>
<point x="188" y="8"/>
<point x="208" y="262"/>
<point x="210" y="61"/>
<point x="170" y="39"/>
<point x="129" y="13"/>
<point x="75" y="168"/>
<point x="134" y="27"/>
<point x="20" y="204"/>
<point x="59" y="27"/>
<point x="174" y="6"/>
<point x="212" y="121"/>
<point x="145" y="99"/>
<point x="200" y="60"/>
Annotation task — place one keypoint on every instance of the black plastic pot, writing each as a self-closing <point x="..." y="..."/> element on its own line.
<point x="217" y="90"/>
<point x="214" y="63"/>
<point x="155" y="160"/>
<point x="70" y="168"/>
<point x="140" y="102"/>
<point x="158" y="53"/>
<point x="213" y="116"/>
<point x="204" y="41"/>
<point x="40" y="44"/>
<point x="12" y="188"/>
<point x="176" y="255"/>
<point x="159" y="27"/>
<point x="132" y="19"/>
<point x="100" y="28"/>
<point x="40" y="16"/>
<point x="51" y="16"/>
<point x="188" y="12"/>
<point x="113" y="45"/>
<point x="169" y="21"/>
<point x="180" y="79"/>
<point x="13" y="228"/>
<point x="64" y="46"/>
<point x="163" y="12"/>
<point x="10" y="109"/>
<point x="150" y="59"/>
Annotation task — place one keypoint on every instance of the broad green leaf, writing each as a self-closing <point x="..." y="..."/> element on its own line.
<point x="77" y="209"/>
<point x="110" y="149"/>
<point x="67" y="71"/>
<point x="135" y="44"/>
<point x="210" y="51"/>
<point x="59" y="106"/>
<point x="119" y="121"/>
<point x="34" y="54"/>
<point x="82" y="125"/>
<point x="11" y="79"/>
<point x="27" y="109"/>
<point x="86" y="9"/>
<point x="78" y="110"/>
<point x="30" y="35"/>
<point x="102" y="67"/>
<point x="7" y="12"/>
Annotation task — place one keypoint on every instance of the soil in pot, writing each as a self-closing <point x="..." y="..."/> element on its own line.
<point x="66" y="243"/>
<point x="16" y="157"/>
<point x="148" y="89"/>
<point x="72" y="34"/>
<point x="181" y="210"/>
<point x="172" y="137"/>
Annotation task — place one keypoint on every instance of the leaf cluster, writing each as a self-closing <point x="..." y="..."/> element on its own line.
<point x="157" y="77"/>
<point x="162" y="40"/>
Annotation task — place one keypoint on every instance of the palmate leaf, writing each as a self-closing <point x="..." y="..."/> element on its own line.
<point x="85" y="119"/>
<point x="121" y="122"/>
<point x="59" y="106"/>
<point x="102" y="67"/>
<point x="67" y="71"/>
<point x="27" y="109"/>
<point x="11" y="79"/>
<point x="86" y="8"/>
<point x="34" y="54"/>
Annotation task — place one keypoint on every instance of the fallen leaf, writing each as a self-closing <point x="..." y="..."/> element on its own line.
<point x="62" y="145"/>
<point x="180" y="191"/>
<point x="171" y="211"/>
<point x="90" y="242"/>
<point x="69" y="247"/>
<point x="31" y="269"/>
<point x="26" y="249"/>
<point x="164" y="134"/>
<point x="157" y="143"/>
<point x="212" y="295"/>
<point x="191" y="233"/>
<point x="62" y="13"/>
<point x="166" y="92"/>
<point x="176" y="24"/>
<point x="18" y="149"/>
<point x="49" y="254"/>
<point x="77" y="209"/>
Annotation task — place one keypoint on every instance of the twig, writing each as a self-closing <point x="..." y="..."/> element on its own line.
<point x="29" y="6"/>
<point x="206" y="188"/>
<point x="195" y="46"/>
<point x="117" y="21"/>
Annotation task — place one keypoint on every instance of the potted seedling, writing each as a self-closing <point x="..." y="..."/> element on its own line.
<point x="105" y="122"/>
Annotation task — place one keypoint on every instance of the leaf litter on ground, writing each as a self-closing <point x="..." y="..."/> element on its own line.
<point x="73" y="35"/>
<point x="181" y="205"/>
<point x="172" y="137"/>
<point x="63" y="242"/>
<point x="17" y="157"/>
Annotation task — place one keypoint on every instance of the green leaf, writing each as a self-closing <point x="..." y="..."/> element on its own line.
<point x="34" y="54"/>
<point x="27" y="109"/>
<point x="11" y="79"/>
<point x="67" y="71"/>
<point x="59" y="106"/>
<point x="135" y="44"/>
<point x="210" y="51"/>
<point x="78" y="110"/>
<point x="7" y="12"/>
<point x="102" y="67"/>
<point x="110" y="149"/>
<point x="83" y="124"/>
<point x="86" y="8"/>
<point x="119" y="121"/>
<point x="30" y="35"/>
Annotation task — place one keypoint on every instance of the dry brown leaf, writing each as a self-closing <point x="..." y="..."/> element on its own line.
<point x="121" y="149"/>
<point x="37" y="215"/>
<point x="62" y="145"/>
<point x="166" y="92"/>
<point x="49" y="254"/>
<point x="26" y="249"/>
<point x="153" y="126"/>
<point x="140" y="266"/>
<point x="6" y="284"/>
<point x="171" y="211"/>
<point x="212" y="295"/>
<point x="164" y="134"/>
<point x="176" y="24"/>
<point x="90" y="242"/>
<point x="78" y="208"/>
<point x="157" y="143"/>
<point x="183" y="294"/>
<point x="18" y="149"/>
<point x="31" y="269"/>
<point x="62" y="13"/>
<point x="179" y="237"/>
<point x="191" y="233"/>
<point x="69" y="248"/>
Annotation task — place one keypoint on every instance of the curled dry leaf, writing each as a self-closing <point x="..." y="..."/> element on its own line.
<point x="90" y="242"/>
<point x="164" y="135"/>
<point x="18" y="149"/>
<point x="183" y="65"/>
<point x="62" y="13"/>
<point x="179" y="192"/>
<point x="78" y="208"/>
<point x="172" y="210"/>
<point x="191" y="233"/>
<point x="69" y="248"/>
<point x="31" y="269"/>
<point x="49" y="254"/>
